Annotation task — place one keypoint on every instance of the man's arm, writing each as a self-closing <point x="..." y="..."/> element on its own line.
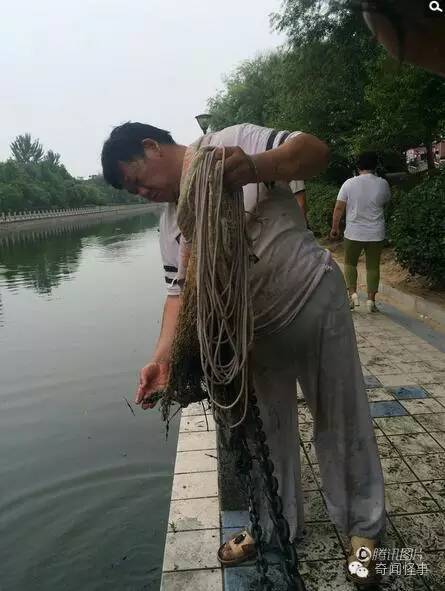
<point x="153" y="377"/>
<point x="172" y="306"/>
<point x="339" y="211"/>
<point x="300" y="157"/>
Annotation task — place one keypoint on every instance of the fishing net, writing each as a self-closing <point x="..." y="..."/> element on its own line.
<point x="215" y="325"/>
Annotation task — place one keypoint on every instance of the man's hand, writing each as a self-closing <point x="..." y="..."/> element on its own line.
<point x="335" y="234"/>
<point x="153" y="377"/>
<point x="238" y="167"/>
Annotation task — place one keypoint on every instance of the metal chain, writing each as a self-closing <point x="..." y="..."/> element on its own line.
<point x="289" y="561"/>
<point x="244" y="465"/>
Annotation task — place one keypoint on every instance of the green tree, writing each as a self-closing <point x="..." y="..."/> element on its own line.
<point x="405" y="108"/>
<point x="52" y="158"/>
<point x="250" y="93"/>
<point x="25" y="150"/>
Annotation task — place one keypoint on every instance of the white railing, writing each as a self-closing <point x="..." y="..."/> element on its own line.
<point x="22" y="216"/>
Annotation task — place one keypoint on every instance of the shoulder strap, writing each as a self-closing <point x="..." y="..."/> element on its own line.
<point x="271" y="139"/>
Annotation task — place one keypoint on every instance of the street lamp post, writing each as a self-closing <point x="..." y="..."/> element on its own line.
<point x="203" y="121"/>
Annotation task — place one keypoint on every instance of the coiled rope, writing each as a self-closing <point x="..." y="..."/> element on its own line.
<point x="213" y="226"/>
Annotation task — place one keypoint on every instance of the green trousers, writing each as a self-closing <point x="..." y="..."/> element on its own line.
<point x="373" y="251"/>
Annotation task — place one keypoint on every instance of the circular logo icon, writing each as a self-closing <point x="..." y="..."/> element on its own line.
<point x="354" y="566"/>
<point x="362" y="572"/>
<point x="363" y="554"/>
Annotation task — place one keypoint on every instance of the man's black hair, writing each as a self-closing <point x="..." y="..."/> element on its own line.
<point x="125" y="144"/>
<point x="367" y="161"/>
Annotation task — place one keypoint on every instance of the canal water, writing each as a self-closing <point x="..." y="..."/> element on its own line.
<point x="84" y="484"/>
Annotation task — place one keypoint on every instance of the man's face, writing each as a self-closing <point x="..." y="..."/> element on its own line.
<point x="153" y="176"/>
<point x="423" y="41"/>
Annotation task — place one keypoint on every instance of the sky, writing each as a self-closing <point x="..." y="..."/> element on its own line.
<point x="71" y="71"/>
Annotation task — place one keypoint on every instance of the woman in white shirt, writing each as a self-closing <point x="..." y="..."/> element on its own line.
<point x="363" y="198"/>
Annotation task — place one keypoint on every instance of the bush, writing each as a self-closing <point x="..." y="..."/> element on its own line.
<point x="321" y="197"/>
<point x="417" y="229"/>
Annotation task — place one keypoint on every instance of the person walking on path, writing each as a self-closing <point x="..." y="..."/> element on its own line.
<point x="303" y="328"/>
<point x="363" y="198"/>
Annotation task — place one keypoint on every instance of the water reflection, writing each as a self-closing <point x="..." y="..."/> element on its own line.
<point x="42" y="259"/>
<point x="84" y="483"/>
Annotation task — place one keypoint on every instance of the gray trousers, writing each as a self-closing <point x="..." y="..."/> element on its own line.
<point x="319" y="349"/>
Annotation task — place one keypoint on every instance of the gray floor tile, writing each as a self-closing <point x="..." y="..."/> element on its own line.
<point x="436" y="488"/>
<point x="319" y="543"/>
<point x="399" y="425"/>
<point x="197" y="408"/>
<point x="316" y="470"/>
<point x="191" y="550"/>
<point x="437" y="390"/>
<point x="432" y="466"/>
<point x="381" y="369"/>
<point x="308" y="481"/>
<point x="386" y="449"/>
<point x="432" y="422"/>
<point x="437" y="362"/>
<point x="244" y="578"/>
<point x="195" y="461"/>
<point x="424" y="379"/>
<point x="314" y="507"/>
<point x="408" y="498"/>
<point x="310" y="451"/>
<point x="190" y="514"/>
<point x="399" y="379"/>
<point x="326" y="576"/>
<point x="415" y="444"/>
<point x="436" y="570"/>
<point x="395" y="470"/>
<point x="417" y="407"/>
<point x="379" y="394"/>
<point x="305" y="431"/>
<point x="415" y="367"/>
<point x="372" y="382"/>
<point x="197" y="485"/>
<point x="425" y="532"/>
<point x="304" y="414"/>
<point x="377" y="431"/>
<point x="196" y="423"/>
<point x="198" y="580"/>
<point x="196" y="441"/>
<point x="402" y="583"/>
<point x="439" y="436"/>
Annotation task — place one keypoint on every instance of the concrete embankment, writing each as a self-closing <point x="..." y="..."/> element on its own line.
<point x="79" y="219"/>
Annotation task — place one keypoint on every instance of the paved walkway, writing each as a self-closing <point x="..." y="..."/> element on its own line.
<point x="406" y="387"/>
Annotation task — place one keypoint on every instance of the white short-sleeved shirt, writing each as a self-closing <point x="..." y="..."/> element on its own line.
<point x="290" y="264"/>
<point x="365" y="197"/>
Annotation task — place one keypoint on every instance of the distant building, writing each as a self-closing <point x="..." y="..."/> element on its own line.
<point x="416" y="158"/>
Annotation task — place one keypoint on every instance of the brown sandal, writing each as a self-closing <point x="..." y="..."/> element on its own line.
<point x="239" y="548"/>
<point x="360" y="568"/>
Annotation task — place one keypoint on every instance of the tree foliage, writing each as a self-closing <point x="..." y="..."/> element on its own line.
<point x="417" y="229"/>
<point x="405" y="108"/>
<point x="33" y="179"/>
<point x="52" y="158"/>
<point x="332" y="80"/>
<point x="25" y="150"/>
